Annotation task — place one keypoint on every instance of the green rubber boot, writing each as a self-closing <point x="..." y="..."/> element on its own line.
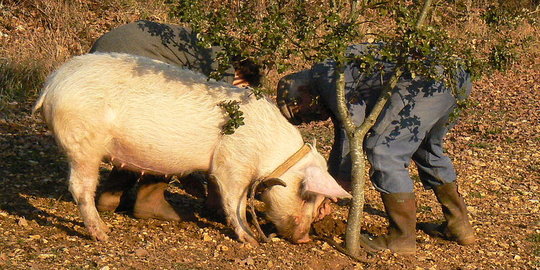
<point x="400" y="239"/>
<point x="457" y="226"/>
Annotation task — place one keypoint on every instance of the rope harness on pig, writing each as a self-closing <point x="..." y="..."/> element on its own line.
<point x="271" y="180"/>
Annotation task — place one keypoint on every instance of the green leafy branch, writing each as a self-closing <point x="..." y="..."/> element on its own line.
<point x="258" y="92"/>
<point x="232" y="109"/>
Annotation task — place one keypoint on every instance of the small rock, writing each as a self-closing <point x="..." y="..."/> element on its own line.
<point x="105" y="268"/>
<point x="22" y="222"/>
<point x="45" y="256"/>
<point x="207" y="237"/>
<point x="141" y="252"/>
<point x="249" y="261"/>
<point x="478" y="163"/>
<point x="337" y="239"/>
<point x="275" y="239"/>
<point x="246" y="246"/>
<point x="325" y="246"/>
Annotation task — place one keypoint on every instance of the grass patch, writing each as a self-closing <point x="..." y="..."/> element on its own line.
<point x="535" y="238"/>
<point x="534" y="167"/>
<point x="425" y="209"/>
<point x="19" y="81"/>
<point x="494" y="131"/>
<point x="475" y="194"/>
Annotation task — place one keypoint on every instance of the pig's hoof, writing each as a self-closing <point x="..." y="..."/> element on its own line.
<point x="102" y="226"/>
<point x="98" y="234"/>
<point x="248" y="239"/>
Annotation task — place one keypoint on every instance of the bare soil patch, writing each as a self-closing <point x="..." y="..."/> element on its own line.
<point x="495" y="148"/>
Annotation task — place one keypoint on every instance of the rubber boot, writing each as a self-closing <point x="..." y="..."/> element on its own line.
<point x="400" y="239"/>
<point x="151" y="202"/>
<point x="113" y="191"/>
<point x="194" y="184"/>
<point x="457" y="226"/>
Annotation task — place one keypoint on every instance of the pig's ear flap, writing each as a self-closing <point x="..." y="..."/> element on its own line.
<point x="320" y="182"/>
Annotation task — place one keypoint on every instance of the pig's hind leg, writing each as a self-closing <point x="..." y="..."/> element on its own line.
<point x="83" y="180"/>
<point x="234" y="196"/>
<point x="85" y="146"/>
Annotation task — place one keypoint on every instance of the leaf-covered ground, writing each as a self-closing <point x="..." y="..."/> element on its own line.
<point x="495" y="148"/>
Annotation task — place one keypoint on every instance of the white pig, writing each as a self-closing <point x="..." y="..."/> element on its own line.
<point x="151" y="117"/>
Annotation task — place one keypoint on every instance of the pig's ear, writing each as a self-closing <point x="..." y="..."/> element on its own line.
<point x="321" y="182"/>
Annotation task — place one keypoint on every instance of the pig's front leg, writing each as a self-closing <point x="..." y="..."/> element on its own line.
<point x="234" y="196"/>
<point x="83" y="180"/>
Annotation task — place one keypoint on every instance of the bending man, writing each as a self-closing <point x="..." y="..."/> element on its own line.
<point x="411" y="127"/>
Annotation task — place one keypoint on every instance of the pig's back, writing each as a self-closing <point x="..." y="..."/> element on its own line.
<point x="153" y="116"/>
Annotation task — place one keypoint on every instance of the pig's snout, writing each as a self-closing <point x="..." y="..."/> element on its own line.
<point x="302" y="239"/>
<point x="300" y="233"/>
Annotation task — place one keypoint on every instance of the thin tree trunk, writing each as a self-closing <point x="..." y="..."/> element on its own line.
<point x="356" y="137"/>
<point x="423" y="14"/>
